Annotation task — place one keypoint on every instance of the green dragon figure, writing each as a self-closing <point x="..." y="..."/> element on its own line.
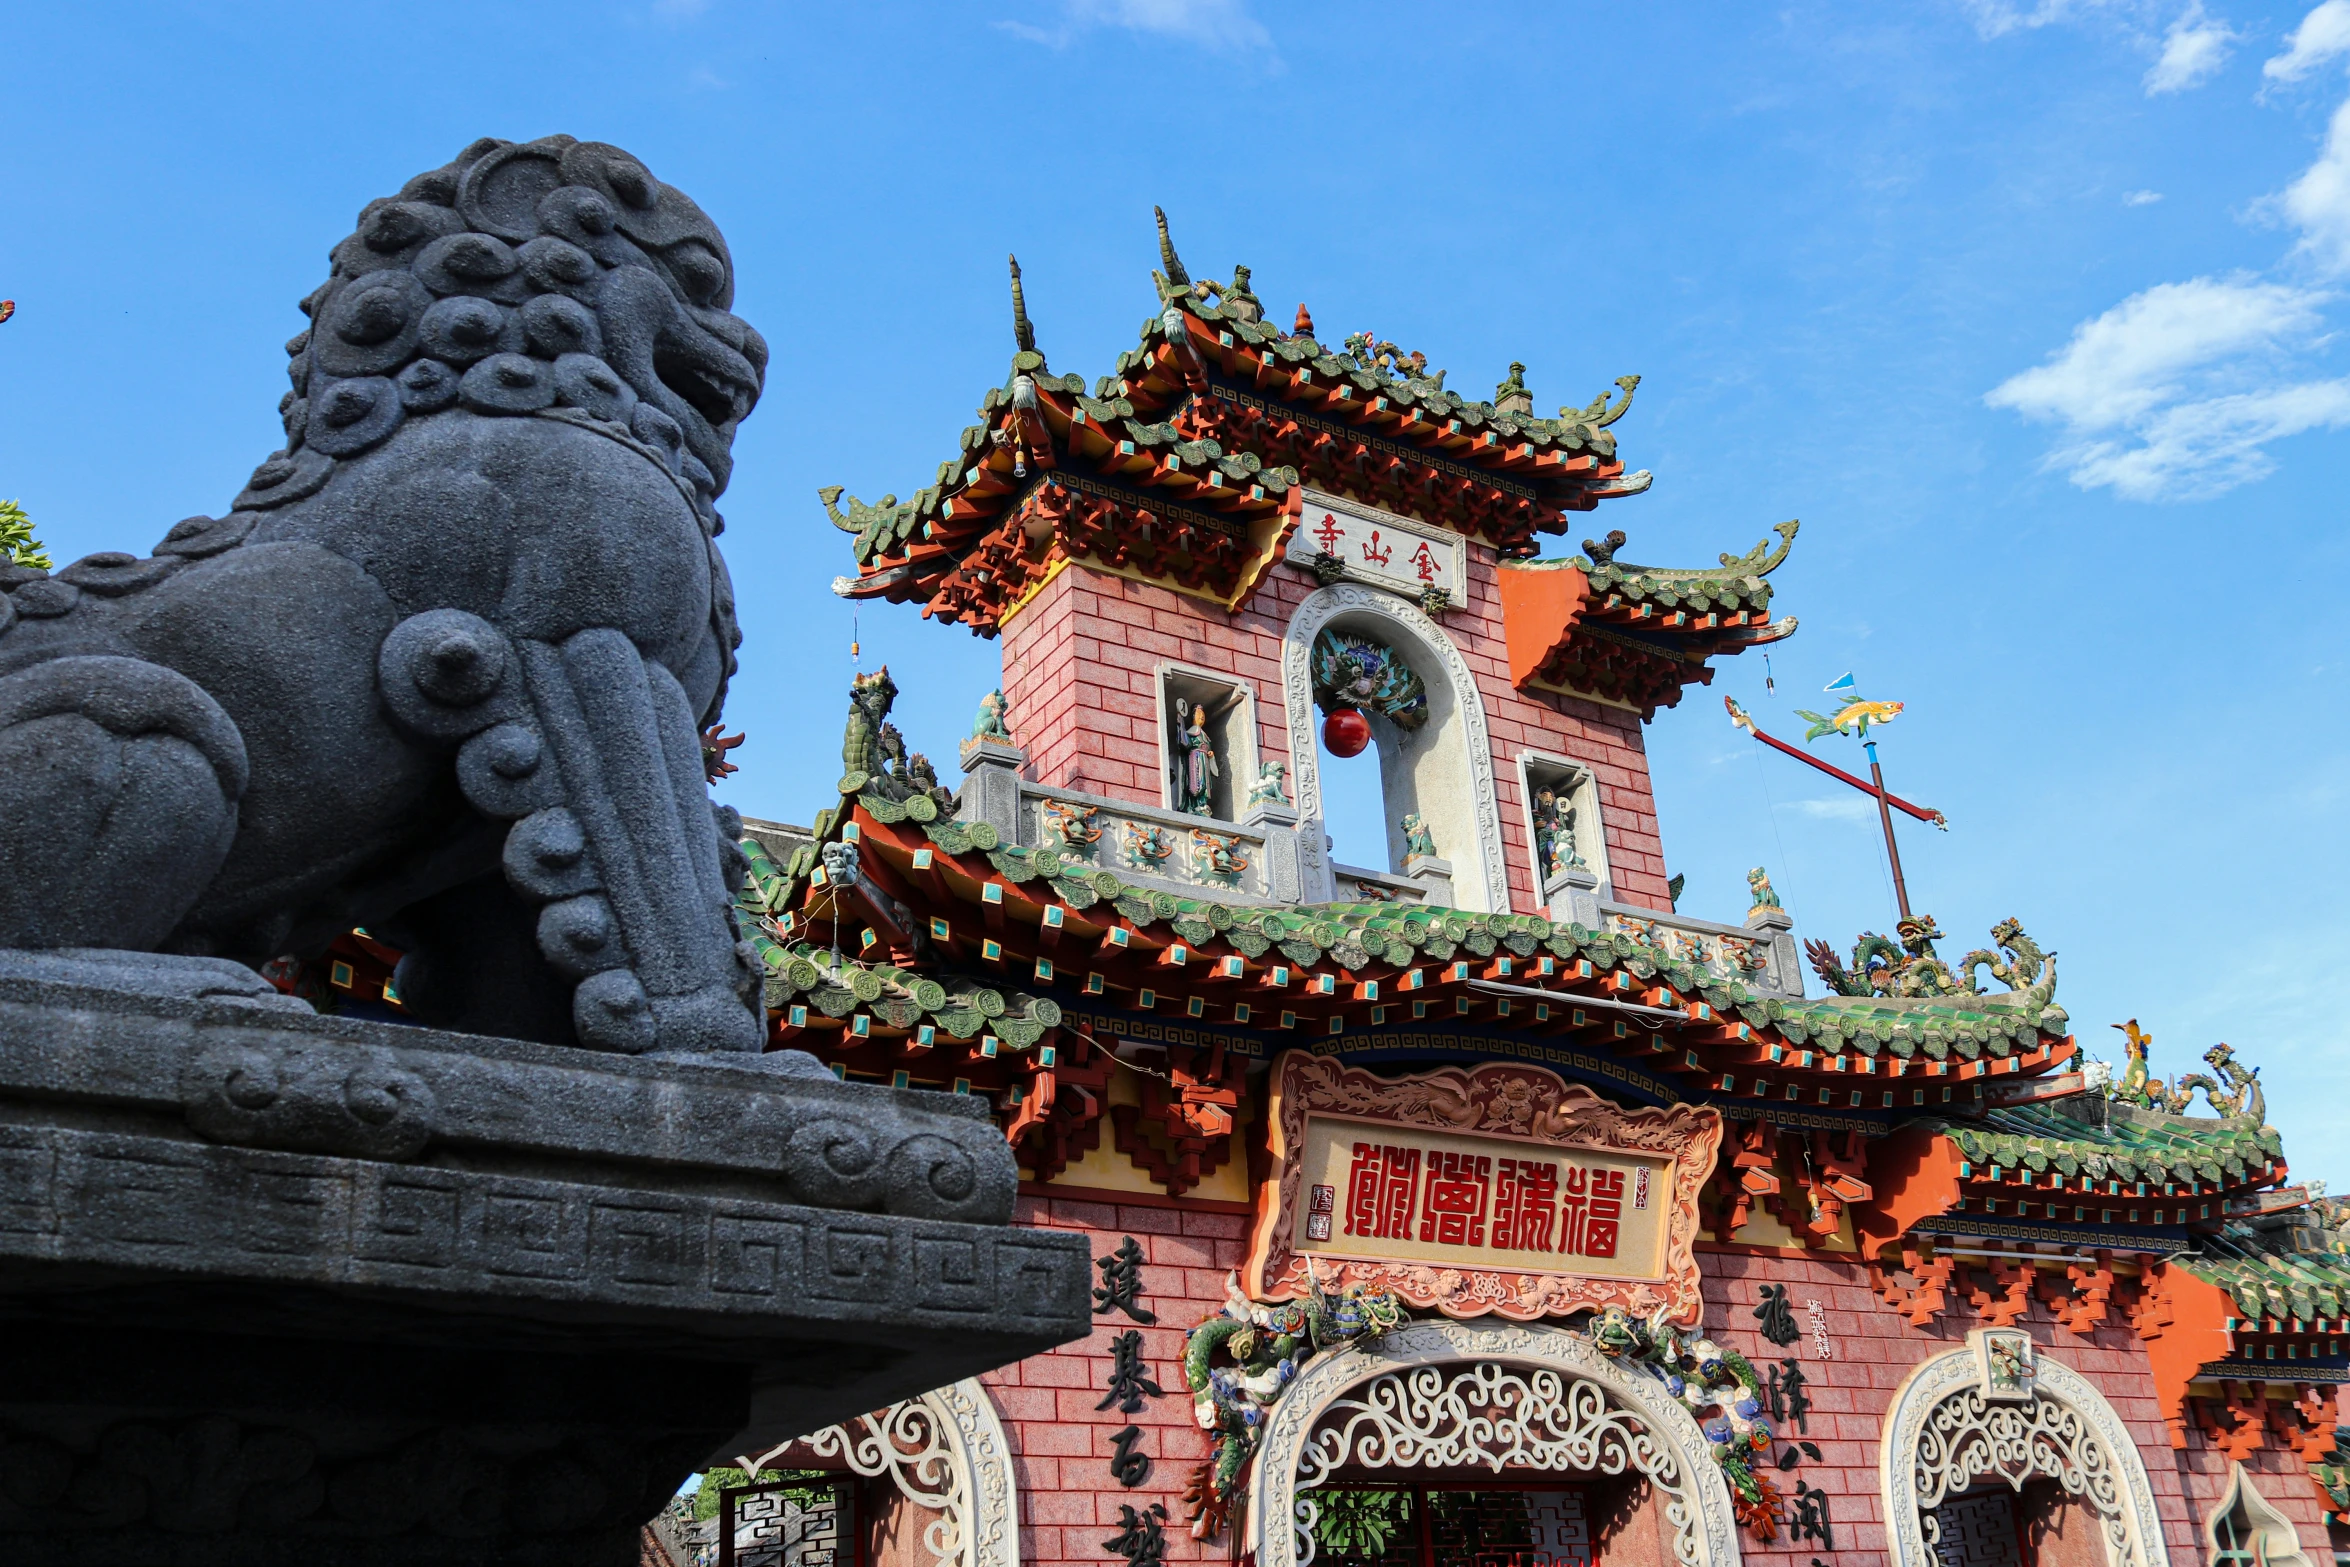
<point x="2019" y="969"/>
<point x="1720" y="1388"/>
<point x="1239" y="1363"/>
<point x="873" y="754"/>
<point x="1911" y="968"/>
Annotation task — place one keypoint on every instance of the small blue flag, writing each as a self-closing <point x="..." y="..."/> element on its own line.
<point x="1842" y="685"/>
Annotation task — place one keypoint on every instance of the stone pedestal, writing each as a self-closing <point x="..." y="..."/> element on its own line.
<point x="991" y="786"/>
<point x="1277" y="820"/>
<point x="1434" y="876"/>
<point x="1573" y="898"/>
<point x="1778" y="927"/>
<point x="279" y="1290"/>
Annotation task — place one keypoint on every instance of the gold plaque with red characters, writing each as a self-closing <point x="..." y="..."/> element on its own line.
<point x="1501" y="1190"/>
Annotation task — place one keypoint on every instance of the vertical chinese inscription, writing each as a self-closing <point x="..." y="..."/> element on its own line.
<point x="1130" y="1381"/>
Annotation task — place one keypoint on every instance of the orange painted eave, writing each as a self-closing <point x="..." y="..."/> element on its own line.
<point x="1915" y="1176"/>
<point x="2191" y="1333"/>
<point x="1540" y="605"/>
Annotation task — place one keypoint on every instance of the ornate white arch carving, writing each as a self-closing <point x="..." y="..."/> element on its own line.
<point x="1483" y="884"/>
<point x="1446" y="1394"/>
<point x="1943" y="1433"/>
<point x="944" y="1451"/>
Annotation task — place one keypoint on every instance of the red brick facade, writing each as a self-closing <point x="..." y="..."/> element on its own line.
<point x="1078" y="670"/>
<point x="1061" y="1441"/>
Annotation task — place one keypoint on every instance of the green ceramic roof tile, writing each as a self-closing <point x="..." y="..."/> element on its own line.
<point x="2283" y="1267"/>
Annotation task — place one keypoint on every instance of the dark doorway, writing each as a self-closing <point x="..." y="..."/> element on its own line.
<point x="1478" y="1523"/>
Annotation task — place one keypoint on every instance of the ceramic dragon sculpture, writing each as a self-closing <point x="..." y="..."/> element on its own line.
<point x="441" y="668"/>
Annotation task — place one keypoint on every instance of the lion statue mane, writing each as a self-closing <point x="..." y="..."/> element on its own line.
<point x="442" y="668"/>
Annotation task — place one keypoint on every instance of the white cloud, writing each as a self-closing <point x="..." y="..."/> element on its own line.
<point x="1997" y="18"/>
<point x="2175" y="393"/>
<point x="2322" y="37"/>
<point x="2140" y="198"/>
<point x="1224" y="26"/>
<point x="2195" y="450"/>
<point x="2193" y="49"/>
<point x="2128" y="361"/>
<point x="2318" y="203"/>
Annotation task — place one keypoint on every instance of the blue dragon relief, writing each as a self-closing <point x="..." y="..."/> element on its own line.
<point x="1354" y="671"/>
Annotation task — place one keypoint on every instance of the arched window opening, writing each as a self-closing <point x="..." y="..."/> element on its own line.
<point x="2245" y="1529"/>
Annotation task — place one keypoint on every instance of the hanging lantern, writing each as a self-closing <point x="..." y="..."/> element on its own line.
<point x="1346" y="731"/>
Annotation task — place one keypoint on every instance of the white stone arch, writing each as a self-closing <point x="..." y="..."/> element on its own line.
<point x="944" y="1451"/>
<point x="1460" y="1395"/>
<point x="1943" y="1432"/>
<point x="1444" y="771"/>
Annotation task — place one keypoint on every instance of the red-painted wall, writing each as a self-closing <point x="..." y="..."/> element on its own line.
<point x="1061" y="1442"/>
<point x="1078" y="666"/>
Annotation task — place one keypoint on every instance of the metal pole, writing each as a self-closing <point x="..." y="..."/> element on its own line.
<point x="1885" y="815"/>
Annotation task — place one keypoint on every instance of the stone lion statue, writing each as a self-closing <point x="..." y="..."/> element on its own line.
<point x="440" y="669"/>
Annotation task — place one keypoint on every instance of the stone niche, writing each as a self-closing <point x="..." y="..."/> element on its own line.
<point x="1570" y="786"/>
<point x="1231" y="723"/>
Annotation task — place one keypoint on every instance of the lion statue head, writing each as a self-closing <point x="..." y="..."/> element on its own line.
<point x="550" y="278"/>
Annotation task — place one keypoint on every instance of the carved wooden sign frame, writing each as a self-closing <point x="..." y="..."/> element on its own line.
<point x="1489" y="1116"/>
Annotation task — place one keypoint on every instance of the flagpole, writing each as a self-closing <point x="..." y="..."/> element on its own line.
<point x="1885" y="815"/>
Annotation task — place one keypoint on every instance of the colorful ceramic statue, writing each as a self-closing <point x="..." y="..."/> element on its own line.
<point x="1554" y="834"/>
<point x="1417" y="840"/>
<point x="1354" y="671"/>
<point x="993" y="720"/>
<point x="1148" y="847"/>
<point x="1272" y="786"/>
<point x="1758" y="882"/>
<point x="1072" y="824"/>
<point x="1215" y="856"/>
<point x="1197" y="769"/>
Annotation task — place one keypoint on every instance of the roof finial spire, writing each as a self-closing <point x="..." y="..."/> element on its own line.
<point x="1023" y="334"/>
<point x="1169" y="262"/>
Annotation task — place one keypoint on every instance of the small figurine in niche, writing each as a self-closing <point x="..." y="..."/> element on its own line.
<point x="992" y="722"/>
<point x="1417" y="840"/>
<point x="1554" y="834"/>
<point x="1196" y="773"/>
<point x="1271" y="787"/>
<point x="1760" y="883"/>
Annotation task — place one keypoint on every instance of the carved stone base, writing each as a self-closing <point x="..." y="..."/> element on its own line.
<point x="277" y="1288"/>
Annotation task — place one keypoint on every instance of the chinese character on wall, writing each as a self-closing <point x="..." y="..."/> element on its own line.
<point x="1380" y="1190"/>
<point x="1591" y="1212"/>
<point x="1453" y="1212"/>
<point x="1525" y="1204"/>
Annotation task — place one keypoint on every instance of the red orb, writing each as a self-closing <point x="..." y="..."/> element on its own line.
<point x="1346" y="732"/>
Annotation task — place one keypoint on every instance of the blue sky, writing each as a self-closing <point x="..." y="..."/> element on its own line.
<point x="2029" y="312"/>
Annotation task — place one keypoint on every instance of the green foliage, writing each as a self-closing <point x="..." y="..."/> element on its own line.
<point x="17" y="544"/>
<point x="718" y="1479"/>
<point x="1360" y="1523"/>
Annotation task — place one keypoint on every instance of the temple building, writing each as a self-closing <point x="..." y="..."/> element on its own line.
<point x="1475" y="1203"/>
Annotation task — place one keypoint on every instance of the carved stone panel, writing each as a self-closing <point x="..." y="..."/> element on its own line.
<point x="1502" y="1189"/>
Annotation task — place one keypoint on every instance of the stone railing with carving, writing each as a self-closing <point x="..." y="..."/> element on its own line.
<point x="1267" y="857"/>
<point x="1357" y="885"/>
<point x="1759" y="954"/>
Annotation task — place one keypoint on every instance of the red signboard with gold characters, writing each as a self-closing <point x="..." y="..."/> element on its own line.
<point x="1501" y="1190"/>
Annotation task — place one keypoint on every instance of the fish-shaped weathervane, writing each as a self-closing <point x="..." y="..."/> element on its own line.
<point x="1854" y="717"/>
